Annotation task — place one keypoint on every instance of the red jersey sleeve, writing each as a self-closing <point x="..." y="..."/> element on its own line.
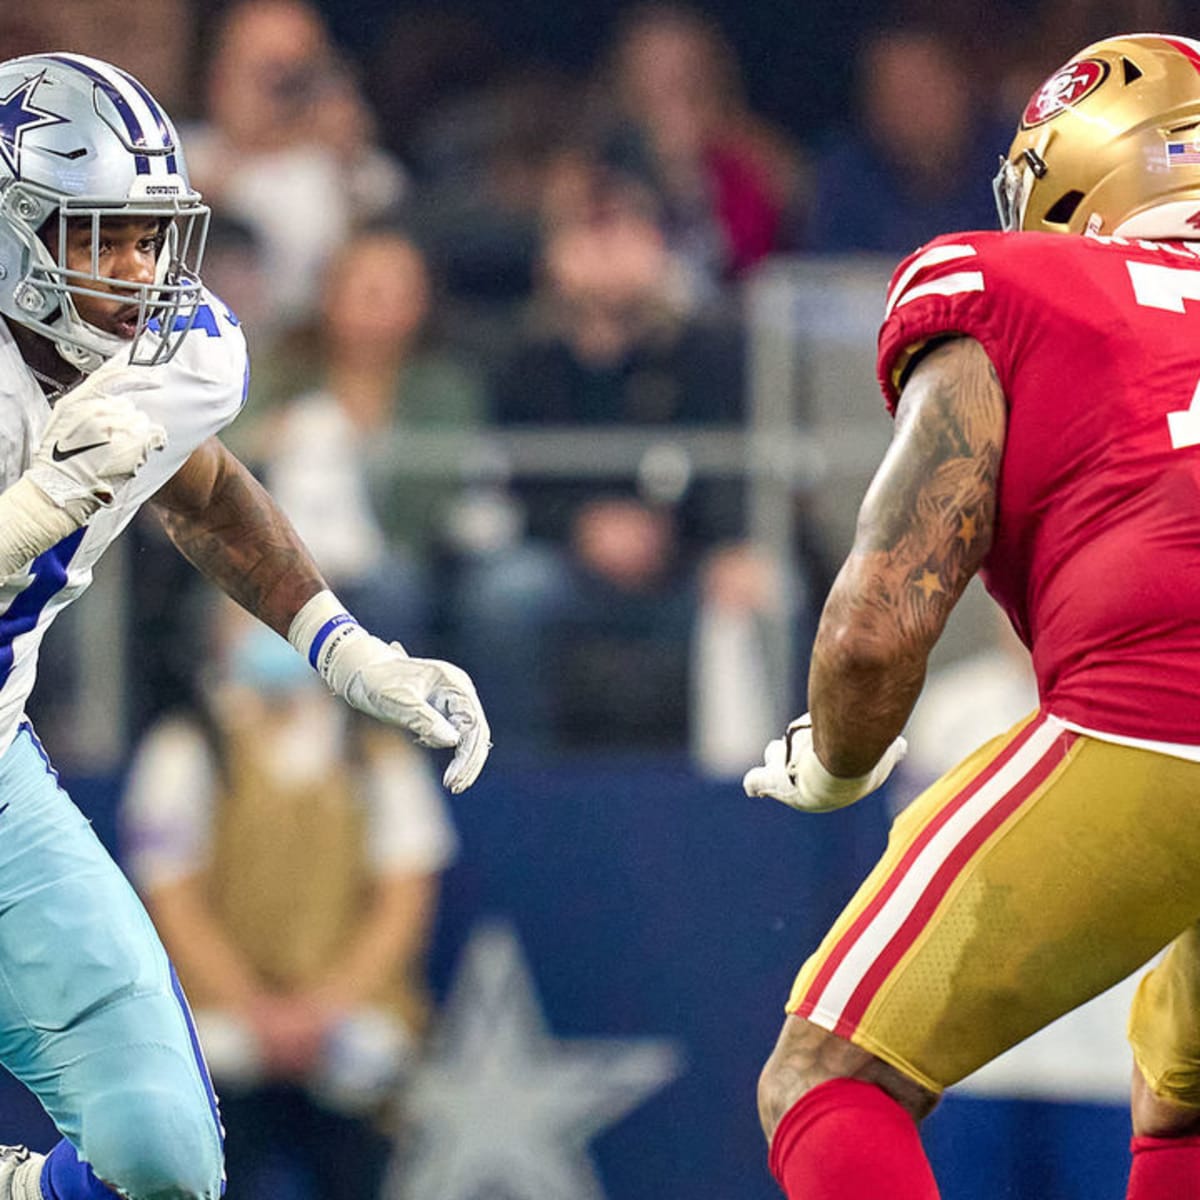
<point x="953" y="285"/>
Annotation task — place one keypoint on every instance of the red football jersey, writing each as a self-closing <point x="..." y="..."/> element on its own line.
<point x="1096" y="557"/>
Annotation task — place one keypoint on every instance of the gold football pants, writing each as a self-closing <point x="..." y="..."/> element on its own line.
<point x="1042" y="870"/>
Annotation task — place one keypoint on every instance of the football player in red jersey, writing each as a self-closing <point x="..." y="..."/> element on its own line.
<point x="1046" y="391"/>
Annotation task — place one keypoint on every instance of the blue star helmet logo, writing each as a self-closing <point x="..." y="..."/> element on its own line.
<point x="17" y="116"/>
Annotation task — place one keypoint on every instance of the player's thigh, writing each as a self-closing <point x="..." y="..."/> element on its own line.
<point x="1041" y="871"/>
<point x="1164" y="1023"/>
<point x="88" y="1002"/>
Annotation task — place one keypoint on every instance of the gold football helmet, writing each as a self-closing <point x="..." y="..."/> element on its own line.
<point x="1110" y="144"/>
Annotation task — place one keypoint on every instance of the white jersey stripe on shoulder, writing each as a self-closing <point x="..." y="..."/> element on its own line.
<point x="931" y="258"/>
<point x="948" y="285"/>
<point x="875" y="938"/>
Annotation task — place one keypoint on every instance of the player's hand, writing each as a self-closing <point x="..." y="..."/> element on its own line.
<point x="291" y="1031"/>
<point x="793" y="774"/>
<point x="97" y="439"/>
<point x="436" y="701"/>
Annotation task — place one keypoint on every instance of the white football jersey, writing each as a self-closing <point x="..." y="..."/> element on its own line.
<point x="199" y="391"/>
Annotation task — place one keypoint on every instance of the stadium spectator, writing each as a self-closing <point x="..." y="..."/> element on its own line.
<point x="425" y="60"/>
<point x="585" y="626"/>
<point x="916" y="157"/>
<point x="379" y="374"/>
<point x="287" y="144"/>
<point x="727" y="182"/>
<point x="290" y="858"/>
<point x="1047" y="443"/>
<point x="154" y="42"/>
<point x="485" y="158"/>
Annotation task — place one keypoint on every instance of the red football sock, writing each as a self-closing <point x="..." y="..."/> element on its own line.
<point x="848" y="1140"/>
<point x="1164" y="1169"/>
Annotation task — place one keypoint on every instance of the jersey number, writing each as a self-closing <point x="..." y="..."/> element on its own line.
<point x="1156" y="286"/>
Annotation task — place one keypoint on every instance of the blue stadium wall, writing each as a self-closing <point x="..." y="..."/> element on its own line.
<point x="652" y="908"/>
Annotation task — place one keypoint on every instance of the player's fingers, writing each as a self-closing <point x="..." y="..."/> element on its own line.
<point x="461" y="709"/>
<point x="753" y="781"/>
<point x="766" y="780"/>
<point x="775" y="756"/>
<point x="763" y="781"/>
<point x="468" y="760"/>
<point x="428" y="726"/>
<point x="156" y="438"/>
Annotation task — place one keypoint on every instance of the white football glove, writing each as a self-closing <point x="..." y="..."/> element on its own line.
<point x="793" y="774"/>
<point x="435" y="701"/>
<point x="97" y="439"/>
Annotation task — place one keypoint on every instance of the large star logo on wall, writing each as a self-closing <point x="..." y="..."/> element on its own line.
<point x="18" y="115"/>
<point x="501" y="1108"/>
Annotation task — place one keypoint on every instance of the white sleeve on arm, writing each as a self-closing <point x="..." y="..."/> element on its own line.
<point x="30" y="523"/>
<point x="167" y="806"/>
<point x="410" y="829"/>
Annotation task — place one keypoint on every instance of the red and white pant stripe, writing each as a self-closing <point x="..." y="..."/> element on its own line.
<point x="893" y="919"/>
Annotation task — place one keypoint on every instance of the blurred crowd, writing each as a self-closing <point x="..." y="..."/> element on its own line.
<point x="444" y="253"/>
<point x="433" y="240"/>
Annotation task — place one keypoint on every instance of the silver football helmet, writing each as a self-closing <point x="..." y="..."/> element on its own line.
<point x="81" y="140"/>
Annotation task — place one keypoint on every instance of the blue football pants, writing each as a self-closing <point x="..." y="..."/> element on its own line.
<point x="92" y="1019"/>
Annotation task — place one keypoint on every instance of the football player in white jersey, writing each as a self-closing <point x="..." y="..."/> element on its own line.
<point x="117" y="370"/>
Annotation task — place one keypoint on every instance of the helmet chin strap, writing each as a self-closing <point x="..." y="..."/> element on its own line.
<point x="83" y="360"/>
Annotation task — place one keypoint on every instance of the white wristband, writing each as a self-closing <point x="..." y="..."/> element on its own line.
<point x="326" y="634"/>
<point x="30" y="523"/>
<point x="827" y="790"/>
<point x="317" y="628"/>
<point x="823" y="791"/>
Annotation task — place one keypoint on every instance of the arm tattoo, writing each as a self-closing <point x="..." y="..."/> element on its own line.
<point x="923" y="530"/>
<point x="929" y="517"/>
<point x="241" y="541"/>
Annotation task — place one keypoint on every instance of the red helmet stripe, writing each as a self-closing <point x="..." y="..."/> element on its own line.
<point x="1188" y="49"/>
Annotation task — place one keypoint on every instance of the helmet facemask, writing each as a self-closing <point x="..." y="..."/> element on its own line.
<point x="46" y="297"/>
<point x="1012" y="186"/>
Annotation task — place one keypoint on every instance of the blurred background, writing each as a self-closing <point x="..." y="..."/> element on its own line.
<point x="562" y="324"/>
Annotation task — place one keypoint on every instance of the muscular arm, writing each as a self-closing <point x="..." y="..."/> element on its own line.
<point x="923" y="529"/>
<point x="224" y="522"/>
<point x="226" y="525"/>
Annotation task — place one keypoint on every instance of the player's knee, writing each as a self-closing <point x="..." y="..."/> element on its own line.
<point x="155" y="1145"/>
<point x="807" y="1056"/>
<point x="782" y="1082"/>
<point x="775" y="1096"/>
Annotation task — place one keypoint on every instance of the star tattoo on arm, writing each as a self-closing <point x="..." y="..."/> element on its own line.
<point x="924" y="528"/>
